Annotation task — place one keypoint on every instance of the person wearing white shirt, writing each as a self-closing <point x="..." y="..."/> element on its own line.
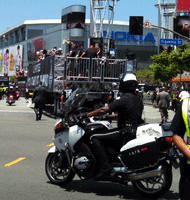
<point x="183" y="94"/>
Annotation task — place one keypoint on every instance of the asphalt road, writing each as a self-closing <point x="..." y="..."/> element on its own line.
<point x="24" y="145"/>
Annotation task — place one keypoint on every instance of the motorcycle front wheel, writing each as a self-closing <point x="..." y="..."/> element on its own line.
<point x="156" y="186"/>
<point x="58" y="169"/>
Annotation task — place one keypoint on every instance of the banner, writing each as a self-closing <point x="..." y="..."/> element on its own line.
<point x="183" y="5"/>
<point x="11" y="60"/>
<point x="41" y="71"/>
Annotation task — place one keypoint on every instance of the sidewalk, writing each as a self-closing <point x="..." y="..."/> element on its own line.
<point x="153" y="113"/>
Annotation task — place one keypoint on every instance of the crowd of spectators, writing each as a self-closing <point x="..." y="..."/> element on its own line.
<point x="74" y="51"/>
<point x="42" y="54"/>
<point x="167" y="98"/>
<point x="176" y="95"/>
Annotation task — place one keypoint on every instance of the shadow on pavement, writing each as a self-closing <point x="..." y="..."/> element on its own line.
<point x="111" y="189"/>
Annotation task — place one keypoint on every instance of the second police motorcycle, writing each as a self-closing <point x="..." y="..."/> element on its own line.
<point x="145" y="161"/>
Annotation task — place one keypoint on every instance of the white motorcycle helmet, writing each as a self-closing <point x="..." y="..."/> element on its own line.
<point x="128" y="82"/>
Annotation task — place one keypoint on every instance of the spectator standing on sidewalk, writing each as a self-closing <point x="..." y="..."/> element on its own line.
<point x="183" y="94"/>
<point x="1" y="92"/>
<point x="4" y="92"/>
<point x="153" y="97"/>
<point x="27" y="95"/>
<point x="163" y="100"/>
<point x="39" y="98"/>
<point x="176" y="101"/>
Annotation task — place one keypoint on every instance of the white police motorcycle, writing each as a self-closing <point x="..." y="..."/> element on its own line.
<point x="146" y="161"/>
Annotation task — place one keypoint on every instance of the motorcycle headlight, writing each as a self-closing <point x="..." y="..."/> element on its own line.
<point x="58" y="127"/>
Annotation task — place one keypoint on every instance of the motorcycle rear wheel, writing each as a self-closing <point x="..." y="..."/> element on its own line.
<point x="58" y="170"/>
<point x="157" y="186"/>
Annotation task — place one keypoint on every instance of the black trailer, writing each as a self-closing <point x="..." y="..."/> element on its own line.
<point x="59" y="73"/>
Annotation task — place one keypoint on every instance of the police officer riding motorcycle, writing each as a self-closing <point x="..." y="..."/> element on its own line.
<point x="129" y="109"/>
<point x="92" y="149"/>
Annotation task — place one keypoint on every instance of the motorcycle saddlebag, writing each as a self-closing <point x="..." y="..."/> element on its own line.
<point x="140" y="153"/>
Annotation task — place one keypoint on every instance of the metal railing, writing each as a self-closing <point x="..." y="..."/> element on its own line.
<point x="87" y="69"/>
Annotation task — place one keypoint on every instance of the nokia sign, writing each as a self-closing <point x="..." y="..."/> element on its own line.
<point x="124" y="36"/>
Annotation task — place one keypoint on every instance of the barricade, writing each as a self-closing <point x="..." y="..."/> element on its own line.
<point x="93" y="69"/>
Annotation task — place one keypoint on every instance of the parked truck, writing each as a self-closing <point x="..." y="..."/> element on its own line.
<point x="59" y="73"/>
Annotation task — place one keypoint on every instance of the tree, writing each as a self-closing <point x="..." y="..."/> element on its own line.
<point x="180" y="57"/>
<point x="166" y="66"/>
<point x="145" y="75"/>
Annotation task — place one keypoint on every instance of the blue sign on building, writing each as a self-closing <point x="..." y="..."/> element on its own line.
<point x="124" y="36"/>
<point x="171" y="41"/>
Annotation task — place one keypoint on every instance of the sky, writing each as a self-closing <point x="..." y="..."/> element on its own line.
<point x="13" y="12"/>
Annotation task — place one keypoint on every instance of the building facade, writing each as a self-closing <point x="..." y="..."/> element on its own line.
<point x="31" y="36"/>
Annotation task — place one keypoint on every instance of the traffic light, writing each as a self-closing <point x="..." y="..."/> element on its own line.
<point x="136" y="25"/>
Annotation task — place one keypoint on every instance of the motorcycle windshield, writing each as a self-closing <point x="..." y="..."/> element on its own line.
<point x="76" y="99"/>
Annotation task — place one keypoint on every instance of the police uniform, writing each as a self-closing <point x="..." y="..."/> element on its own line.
<point x="129" y="108"/>
<point x="178" y="126"/>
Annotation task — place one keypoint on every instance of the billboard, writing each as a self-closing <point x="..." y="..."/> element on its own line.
<point x="136" y="25"/>
<point x="182" y="5"/>
<point x="76" y="20"/>
<point x="11" y="60"/>
<point x="181" y="25"/>
<point x="33" y="47"/>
